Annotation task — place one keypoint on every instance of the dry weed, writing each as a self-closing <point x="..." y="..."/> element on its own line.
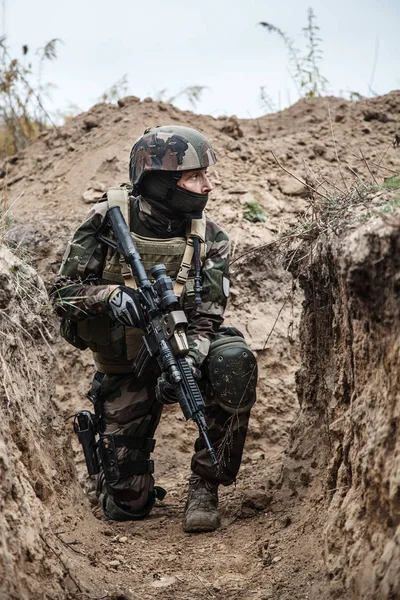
<point x="24" y="325"/>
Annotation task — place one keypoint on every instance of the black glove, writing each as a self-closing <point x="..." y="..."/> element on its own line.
<point x="125" y="307"/>
<point x="165" y="392"/>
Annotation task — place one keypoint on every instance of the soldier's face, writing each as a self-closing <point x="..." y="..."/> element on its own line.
<point x="195" y="181"/>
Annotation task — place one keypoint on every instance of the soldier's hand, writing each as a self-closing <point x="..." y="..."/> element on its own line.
<point x="125" y="307"/>
<point x="195" y="370"/>
<point x="165" y="392"/>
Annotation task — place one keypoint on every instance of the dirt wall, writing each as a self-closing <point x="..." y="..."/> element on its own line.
<point x="348" y="389"/>
<point x="36" y="466"/>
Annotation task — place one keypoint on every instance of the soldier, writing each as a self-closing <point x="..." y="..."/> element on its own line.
<point x="164" y="208"/>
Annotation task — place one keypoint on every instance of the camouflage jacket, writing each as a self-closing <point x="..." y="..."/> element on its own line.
<point x="80" y="291"/>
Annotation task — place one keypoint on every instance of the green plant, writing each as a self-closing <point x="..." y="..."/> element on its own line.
<point x="392" y="183"/>
<point x="304" y="66"/>
<point x="391" y="205"/>
<point x="254" y="212"/>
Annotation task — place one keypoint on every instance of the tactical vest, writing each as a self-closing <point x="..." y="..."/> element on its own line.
<point x="114" y="346"/>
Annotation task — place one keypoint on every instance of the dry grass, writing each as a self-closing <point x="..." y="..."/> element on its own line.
<point x="331" y="213"/>
<point x="331" y="207"/>
<point x="24" y="326"/>
<point x="22" y="92"/>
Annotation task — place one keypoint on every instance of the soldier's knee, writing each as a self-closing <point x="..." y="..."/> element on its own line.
<point x="128" y="505"/>
<point x="231" y="372"/>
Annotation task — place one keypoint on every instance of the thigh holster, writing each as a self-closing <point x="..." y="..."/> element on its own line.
<point x="231" y="371"/>
<point x="112" y="467"/>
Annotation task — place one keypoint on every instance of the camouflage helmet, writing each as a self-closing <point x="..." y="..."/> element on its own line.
<point x="169" y="148"/>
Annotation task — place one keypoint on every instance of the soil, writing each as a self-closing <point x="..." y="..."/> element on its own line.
<point x="315" y="511"/>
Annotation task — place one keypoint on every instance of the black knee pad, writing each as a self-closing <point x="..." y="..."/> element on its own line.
<point x="120" y="512"/>
<point x="231" y="371"/>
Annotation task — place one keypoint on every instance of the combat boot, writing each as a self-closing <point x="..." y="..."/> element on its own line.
<point x="201" y="509"/>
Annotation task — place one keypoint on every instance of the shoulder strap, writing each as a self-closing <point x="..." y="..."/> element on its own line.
<point x="197" y="229"/>
<point x="119" y="196"/>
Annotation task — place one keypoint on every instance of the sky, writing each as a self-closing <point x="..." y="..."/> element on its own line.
<point x="173" y="44"/>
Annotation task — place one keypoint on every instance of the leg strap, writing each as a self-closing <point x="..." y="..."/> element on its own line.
<point x="113" y="470"/>
<point x="135" y="443"/>
<point x="139" y="467"/>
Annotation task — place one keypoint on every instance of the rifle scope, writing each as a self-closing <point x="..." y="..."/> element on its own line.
<point x="163" y="286"/>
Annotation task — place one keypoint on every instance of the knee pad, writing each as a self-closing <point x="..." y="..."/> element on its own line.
<point x="113" y="510"/>
<point x="231" y="371"/>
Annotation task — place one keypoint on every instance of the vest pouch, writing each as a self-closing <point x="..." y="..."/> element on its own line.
<point x="112" y="269"/>
<point x="69" y="331"/>
<point x="133" y="340"/>
<point x="168" y="252"/>
<point x="102" y="336"/>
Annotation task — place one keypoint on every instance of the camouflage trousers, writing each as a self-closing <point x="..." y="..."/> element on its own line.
<point x="130" y="409"/>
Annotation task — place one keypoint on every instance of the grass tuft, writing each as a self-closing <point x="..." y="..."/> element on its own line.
<point x="331" y="214"/>
<point x="254" y="212"/>
<point x="392" y="183"/>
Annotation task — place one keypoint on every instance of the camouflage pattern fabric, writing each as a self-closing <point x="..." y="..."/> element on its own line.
<point x="227" y="434"/>
<point x="169" y="148"/>
<point x="208" y="317"/>
<point x="81" y="292"/>
<point x="131" y="410"/>
<point x="78" y="292"/>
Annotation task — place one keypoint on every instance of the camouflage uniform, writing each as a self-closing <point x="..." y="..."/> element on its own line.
<point x="129" y="407"/>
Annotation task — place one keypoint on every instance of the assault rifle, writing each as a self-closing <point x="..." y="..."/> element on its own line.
<point x="164" y="325"/>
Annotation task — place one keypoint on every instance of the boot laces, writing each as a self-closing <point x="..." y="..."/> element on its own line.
<point x="202" y="493"/>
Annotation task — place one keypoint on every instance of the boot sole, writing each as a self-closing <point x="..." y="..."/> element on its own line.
<point x="200" y="526"/>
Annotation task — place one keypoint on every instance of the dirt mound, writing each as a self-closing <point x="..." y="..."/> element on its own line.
<point x="269" y="545"/>
<point x="75" y="164"/>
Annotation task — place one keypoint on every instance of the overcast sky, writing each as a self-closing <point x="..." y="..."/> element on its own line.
<point x="172" y="44"/>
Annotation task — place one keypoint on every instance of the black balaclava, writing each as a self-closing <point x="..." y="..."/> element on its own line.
<point x="161" y="190"/>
